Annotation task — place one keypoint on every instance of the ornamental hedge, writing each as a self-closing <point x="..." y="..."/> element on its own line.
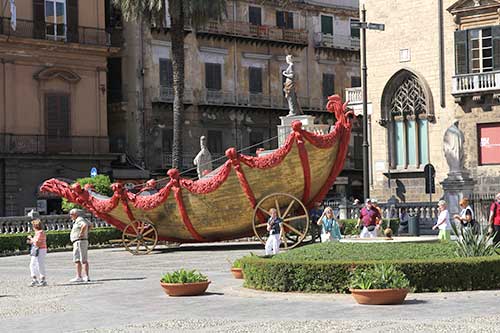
<point x="56" y="239"/>
<point x="429" y="273"/>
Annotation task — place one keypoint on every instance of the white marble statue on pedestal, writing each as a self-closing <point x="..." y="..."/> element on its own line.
<point x="453" y="148"/>
<point x="203" y="160"/>
<point x="290" y="88"/>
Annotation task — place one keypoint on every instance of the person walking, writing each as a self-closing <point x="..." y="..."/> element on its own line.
<point x="443" y="222"/>
<point x="330" y="227"/>
<point x="369" y="219"/>
<point x="275" y="228"/>
<point x="494" y="219"/>
<point x="315" y="214"/>
<point x="38" y="252"/>
<point x="79" y="236"/>
<point x="466" y="216"/>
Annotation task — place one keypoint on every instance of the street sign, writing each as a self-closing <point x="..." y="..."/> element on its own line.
<point x="93" y="172"/>
<point x="376" y="26"/>
<point x="430" y="173"/>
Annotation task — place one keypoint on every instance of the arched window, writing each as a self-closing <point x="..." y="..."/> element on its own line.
<point x="407" y="108"/>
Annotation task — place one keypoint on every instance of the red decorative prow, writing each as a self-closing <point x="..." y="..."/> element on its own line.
<point x="335" y="106"/>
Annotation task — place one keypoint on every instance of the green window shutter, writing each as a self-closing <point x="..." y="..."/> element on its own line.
<point x="399" y="142"/>
<point x="280" y="19"/>
<point x="328" y="84"/>
<point x="166" y="73"/>
<point x="423" y="142"/>
<point x="72" y="20"/>
<point x="461" y="52"/>
<point x="255" y="15"/>
<point x="326" y="24"/>
<point x="213" y="79"/>
<point x="39" y="19"/>
<point x="255" y="80"/>
<point x="495" y="34"/>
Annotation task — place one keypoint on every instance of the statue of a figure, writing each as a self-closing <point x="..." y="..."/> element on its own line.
<point x="453" y="147"/>
<point x="290" y="88"/>
<point x="203" y="160"/>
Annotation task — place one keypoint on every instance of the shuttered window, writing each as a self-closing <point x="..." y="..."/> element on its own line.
<point x="477" y="50"/>
<point x="39" y="19"/>
<point x="328" y="84"/>
<point x="327" y="24"/>
<point x="72" y="21"/>
<point x="58" y="115"/>
<point x="255" y="80"/>
<point x="167" y="140"/>
<point x="213" y="76"/>
<point x="166" y="73"/>
<point x="214" y="142"/>
<point x="354" y="29"/>
<point x="355" y="81"/>
<point x="284" y="19"/>
<point x="255" y="15"/>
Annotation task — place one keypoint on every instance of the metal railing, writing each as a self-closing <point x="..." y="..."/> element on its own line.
<point x="39" y="144"/>
<point x="19" y="224"/>
<point x="166" y="95"/>
<point x="264" y="32"/>
<point x="480" y="204"/>
<point x="336" y="41"/>
<point x="58" y="32"/>
<point x="475" y="82"/>
<point x="354" y="95"/>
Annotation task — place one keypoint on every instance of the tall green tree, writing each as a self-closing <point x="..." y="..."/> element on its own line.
<point x="181" y="12"/>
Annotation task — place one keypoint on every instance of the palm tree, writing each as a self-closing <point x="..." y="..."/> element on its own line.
<point x="195" y="12"/>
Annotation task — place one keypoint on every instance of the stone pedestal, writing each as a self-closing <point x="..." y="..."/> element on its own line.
<point x="456" y="189"/>
<point x="286" y="126"/>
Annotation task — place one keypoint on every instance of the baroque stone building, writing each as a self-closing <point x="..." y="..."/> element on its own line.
<point x="439" y="62"/>
<point x="234" y="86"/>
<point x="53" y="109"/>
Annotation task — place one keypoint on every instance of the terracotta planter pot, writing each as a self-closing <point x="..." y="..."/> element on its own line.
<point x="185" y="289"/>
<point x="237" y="273"/>
<point x="379" y="296"/>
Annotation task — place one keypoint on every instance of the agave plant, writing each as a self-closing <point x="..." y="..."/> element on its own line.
<point x="382" y="276"/>
<point x="472" y="244"/>
<point x="183" y="276"/>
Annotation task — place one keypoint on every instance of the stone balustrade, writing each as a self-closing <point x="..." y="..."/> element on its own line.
<point x="19" y="224"/>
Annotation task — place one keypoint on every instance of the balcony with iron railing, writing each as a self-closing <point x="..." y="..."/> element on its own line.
<point x="354" y="95"/>
<point x="165" y="94"/>
<point x="336" y="41"/>
<point x="248" y="30"/>
<point x="58" y="32"/>
<point x="45" y="144"/>
<point x="474" y="83"/>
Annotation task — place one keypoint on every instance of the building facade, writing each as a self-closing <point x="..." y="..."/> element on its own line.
<point x="438" y="66"/>
<point x="234" y="86"/>
<point x="53" y="109"/>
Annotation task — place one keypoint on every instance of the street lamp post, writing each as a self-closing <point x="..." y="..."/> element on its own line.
<point x="363" y="26"/>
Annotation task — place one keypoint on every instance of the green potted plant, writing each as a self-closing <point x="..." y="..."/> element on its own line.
<point x="184" y="283"/>
<point x="377" y="285"/>
<point x="237" y="269"/>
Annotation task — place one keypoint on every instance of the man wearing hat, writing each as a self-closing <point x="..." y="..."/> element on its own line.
<point x="369" y="218"/>
<point x="79" y="236"/>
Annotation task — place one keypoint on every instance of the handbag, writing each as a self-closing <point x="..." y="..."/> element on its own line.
<point x="371" y="227"/>
<point x="34" y="251"/>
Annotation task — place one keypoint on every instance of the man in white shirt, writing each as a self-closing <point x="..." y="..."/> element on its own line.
<point x="79" y="236"/>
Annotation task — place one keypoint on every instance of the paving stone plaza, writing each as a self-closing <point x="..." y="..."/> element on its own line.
<point x="125" y="296"/>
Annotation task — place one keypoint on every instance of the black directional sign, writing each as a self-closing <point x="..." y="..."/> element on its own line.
<point x="430" y="173"/>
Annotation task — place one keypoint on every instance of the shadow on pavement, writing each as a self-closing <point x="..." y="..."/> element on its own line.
<point x="212" y="247"/>
<point x="121" y="279"/>
<point x="414" y="301"/>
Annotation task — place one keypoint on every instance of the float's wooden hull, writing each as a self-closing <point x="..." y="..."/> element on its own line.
<point x="220" y="207"/>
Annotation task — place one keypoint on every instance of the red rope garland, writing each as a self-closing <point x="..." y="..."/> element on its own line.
<point x="174" y="179"/>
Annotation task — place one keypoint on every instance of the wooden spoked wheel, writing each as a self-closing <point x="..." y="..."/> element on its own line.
<point x="293" y="213"/>
<point x="140" y="237"/>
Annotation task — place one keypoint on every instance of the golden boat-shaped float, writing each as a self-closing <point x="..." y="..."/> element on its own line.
<point x="234" y="200"/>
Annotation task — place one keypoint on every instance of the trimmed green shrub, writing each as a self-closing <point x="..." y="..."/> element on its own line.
<point x="101" y="183"/>
<point x="327" y="267"/>
<point x="56" y="239"/>
<point x="369" y="251"/>
<point x="479" y="273"/>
